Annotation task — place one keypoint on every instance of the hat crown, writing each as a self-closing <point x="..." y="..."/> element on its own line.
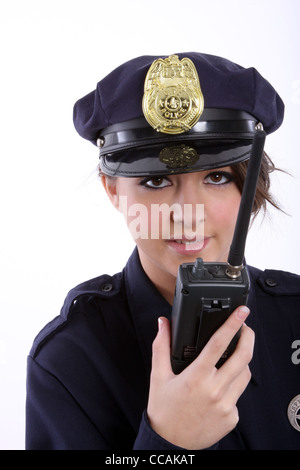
<point x="225" y="84"/>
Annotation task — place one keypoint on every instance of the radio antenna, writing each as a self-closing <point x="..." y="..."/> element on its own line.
<point x="237" y="248"/>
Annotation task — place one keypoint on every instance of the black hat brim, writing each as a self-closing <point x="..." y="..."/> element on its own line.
<point x="176" y="159"/>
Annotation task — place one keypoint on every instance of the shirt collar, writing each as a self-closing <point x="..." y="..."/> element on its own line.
<point x="146" y="305"/>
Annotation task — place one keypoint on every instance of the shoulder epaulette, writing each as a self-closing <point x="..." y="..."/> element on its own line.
<point x="104" y="286"/>
<point x="279" y="282"/>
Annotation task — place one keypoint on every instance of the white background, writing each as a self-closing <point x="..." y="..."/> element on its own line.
<point x="57" y="228"/>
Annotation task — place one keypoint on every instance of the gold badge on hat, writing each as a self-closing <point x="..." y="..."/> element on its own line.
<point x="173" y="101"/>
<point x="294" y="413"/>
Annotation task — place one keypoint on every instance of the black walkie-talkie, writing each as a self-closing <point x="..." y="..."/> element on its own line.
<point x="207" y="293"/>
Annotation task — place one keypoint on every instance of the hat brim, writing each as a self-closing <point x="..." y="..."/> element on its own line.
<point x="176" y="159"/>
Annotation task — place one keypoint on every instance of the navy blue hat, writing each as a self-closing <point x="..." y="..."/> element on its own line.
<point x="123" y="116"/>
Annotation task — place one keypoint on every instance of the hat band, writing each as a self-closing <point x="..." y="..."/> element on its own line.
<point x="214" y="123"/>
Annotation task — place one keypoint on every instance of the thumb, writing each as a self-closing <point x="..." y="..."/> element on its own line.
<point x="161" y="349"/>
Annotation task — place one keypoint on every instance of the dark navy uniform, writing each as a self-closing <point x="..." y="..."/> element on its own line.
<point x="88" y="370"/>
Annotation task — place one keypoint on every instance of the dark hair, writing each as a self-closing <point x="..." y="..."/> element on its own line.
<point x="263" y="195"/>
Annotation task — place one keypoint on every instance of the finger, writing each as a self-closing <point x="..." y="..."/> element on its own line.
<point x="220" y="340"/>
<point x="239" y="385"/>
<point x="242" y="355"/>
<point x="161" y="350"/>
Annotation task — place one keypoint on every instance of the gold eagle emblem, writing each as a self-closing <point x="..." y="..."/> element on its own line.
<point x="173" y="101"/>
<point x="179" y="156"/>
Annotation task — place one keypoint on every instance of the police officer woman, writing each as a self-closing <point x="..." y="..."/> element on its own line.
<point x="175" y="136"/>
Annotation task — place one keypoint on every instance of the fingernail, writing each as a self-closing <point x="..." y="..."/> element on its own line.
<point x="243" y="313"/>
<point x="160" y="324"/>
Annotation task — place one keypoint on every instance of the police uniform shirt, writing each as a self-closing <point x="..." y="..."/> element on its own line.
<point x="89" y="369"/>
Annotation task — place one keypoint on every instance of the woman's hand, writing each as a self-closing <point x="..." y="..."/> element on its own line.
<point x="196" y="408"/>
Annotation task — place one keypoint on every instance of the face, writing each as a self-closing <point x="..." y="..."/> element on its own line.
<point x="175" y="219"/>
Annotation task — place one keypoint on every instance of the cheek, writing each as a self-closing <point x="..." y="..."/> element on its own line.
<point x="141" y="213"/>
<point x="147" y="221"/>
<point x="137" y="217"/>
<point x="223" y="212"/>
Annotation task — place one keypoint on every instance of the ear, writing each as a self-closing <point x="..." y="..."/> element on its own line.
<point x="111" y="187"/>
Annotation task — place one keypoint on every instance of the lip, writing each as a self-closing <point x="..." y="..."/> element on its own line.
<point x="185" y="246"/>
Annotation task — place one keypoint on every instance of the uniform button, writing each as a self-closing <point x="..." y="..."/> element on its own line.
<point x="106" y="287"/>
<point x="271" y="282"/>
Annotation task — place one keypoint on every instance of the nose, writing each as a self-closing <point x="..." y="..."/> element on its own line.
<point x="188" y="213"/>
<point x="189" y="209"/>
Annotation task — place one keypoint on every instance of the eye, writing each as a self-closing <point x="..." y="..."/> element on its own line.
<point x="218" y="178"/>
<point x="158" y="182"/>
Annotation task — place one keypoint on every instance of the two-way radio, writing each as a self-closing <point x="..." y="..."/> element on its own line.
<point x="207" y="293"/>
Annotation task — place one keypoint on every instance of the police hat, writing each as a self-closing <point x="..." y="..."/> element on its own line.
<point x="183" y="113"/>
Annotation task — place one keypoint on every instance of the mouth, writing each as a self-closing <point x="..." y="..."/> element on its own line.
<point x="185" y="244"/>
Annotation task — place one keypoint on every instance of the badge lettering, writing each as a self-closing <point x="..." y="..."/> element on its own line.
<point x="293" y="413"/>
